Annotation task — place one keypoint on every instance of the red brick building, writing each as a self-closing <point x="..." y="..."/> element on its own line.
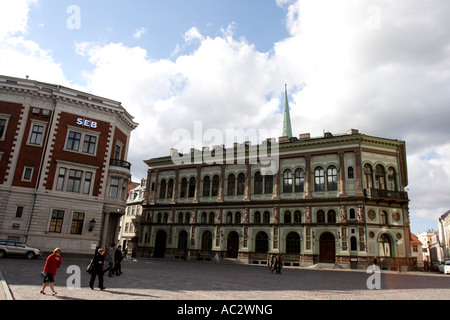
<point x="63" y="168"/>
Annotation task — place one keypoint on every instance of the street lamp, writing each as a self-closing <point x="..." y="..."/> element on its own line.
<point x="92" y="225"/>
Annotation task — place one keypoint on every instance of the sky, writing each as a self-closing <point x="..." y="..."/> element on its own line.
<point x="198" y="67"/>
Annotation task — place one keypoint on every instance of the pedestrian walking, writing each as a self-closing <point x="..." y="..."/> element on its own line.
<point x="98" y="263"/>
<point x="118" y="257"/>
<point x="110" y="259"/>
<point x="272" y="263"/>
<point x="279" y="264"/>
<point x="52" y="264"/>
<point x="216" y="258"/>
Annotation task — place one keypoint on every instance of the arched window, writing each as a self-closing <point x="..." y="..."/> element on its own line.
<point x="231" y="185"/>
<point x="183" y="188"/>
<point x="203" y="219"/>
<point x="158" y="217"/>
<point x="287" y="217"/>
<point x="258" y="182"/>
<point x="166" y="218"/>
<point x="380" y="177"/>
<point x="215" y="186"/>
<point x="352" y="214"/>
<point x="229" y="218"/>
<point x="332" y="178"/>
<point x="287" y="181"/>
<point x="384" y="217"/>
<point x="162" y="189"/>
<point x="350" y="173"/>
<point x="182" y="240"/>
<point x="331" y="216"/>
<point x="353" y="244"/>
<point x="237" y="217"/>
<point x="297" y="217"/>
<point x="207" y="241"/>
<point x="180" y="217"/>
<point x="192" y="183"/>
<point x="257" y="217"/>
<point x="320" y="216"/>
<point x="293" y="243"/>
<point x="188" y="218"/>
<point x="268" y="184"/>
<point x="392" y="181"/>
<point x="385" y="246"/>
<point x="241" y="184"/>
<point x="211" y="218"/>
<point x="266" y="217"/>
<point x="319" y="179"/>
<point x="368" y="175"/>
<point x="206" y="186"/>
<point x="299" y="180"/>
<point x="261" y="242"/>
<point x="170" y="189"/>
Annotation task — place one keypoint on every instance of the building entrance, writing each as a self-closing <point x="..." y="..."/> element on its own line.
<point x="233" y="245"/>
<point x="327" y="247"/>
<point x="160" y="244"/>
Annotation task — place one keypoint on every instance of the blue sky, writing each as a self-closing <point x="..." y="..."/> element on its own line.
<point x="162" y="25"/>
<point x="380" y="66"/>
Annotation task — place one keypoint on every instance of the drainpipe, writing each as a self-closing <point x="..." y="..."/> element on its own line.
<point x="39" y="174"/>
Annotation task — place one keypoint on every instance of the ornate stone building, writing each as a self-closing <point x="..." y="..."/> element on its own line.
<point x="63" y="168"/>
<point x="332" y="199"/>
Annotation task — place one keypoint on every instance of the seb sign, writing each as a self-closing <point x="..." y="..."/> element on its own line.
<point x="87" y="123"/>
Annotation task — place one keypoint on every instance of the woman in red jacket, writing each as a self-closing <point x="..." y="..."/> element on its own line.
<point x="52" y="264"/>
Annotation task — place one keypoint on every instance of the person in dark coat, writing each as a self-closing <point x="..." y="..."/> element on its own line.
<point x="97" y="269"/>
<point x="118" y="257"/>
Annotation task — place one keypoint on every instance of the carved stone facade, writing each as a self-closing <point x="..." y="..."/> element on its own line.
<point x="63" y="166"/>
<point x="327" y="196"/>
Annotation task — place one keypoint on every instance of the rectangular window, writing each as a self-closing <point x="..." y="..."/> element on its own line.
<point x="89" y="144"/>
<point x="73" y="184"/>
<point x="36" y="134"/>
<point x="27" y="174"/>
<point x="61" y="178"/>
<point x="57" y="221"/>
<point x="2" y="128"/>
<point x="117" y="152"/>
<point x="19" y="212"/>
<point x="77" y="223"/>
<point x="114" y="189"/>
<point x="87" y="183"/>
<point x="73" y="141"/>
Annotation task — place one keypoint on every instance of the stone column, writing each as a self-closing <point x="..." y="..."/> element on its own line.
<point x="308" y="173"/>
<point x="343" y="192"/>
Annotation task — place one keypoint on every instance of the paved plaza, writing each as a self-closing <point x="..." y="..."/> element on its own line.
<point x="150" y="279"/>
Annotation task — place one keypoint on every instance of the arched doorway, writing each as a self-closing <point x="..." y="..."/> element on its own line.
<point x="232" y="245"/>
<point x="327" y="253"/>
<point x="160" y="244"/>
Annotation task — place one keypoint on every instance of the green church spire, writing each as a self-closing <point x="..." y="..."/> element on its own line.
<point x="287" y="129"/>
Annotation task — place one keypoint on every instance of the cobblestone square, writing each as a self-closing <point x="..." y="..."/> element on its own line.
<point x="147" y="279"/>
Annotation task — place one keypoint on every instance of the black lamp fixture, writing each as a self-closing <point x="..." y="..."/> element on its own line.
<point x="91" y="225"/>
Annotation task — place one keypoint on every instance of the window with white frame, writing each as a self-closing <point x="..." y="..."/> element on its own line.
<point x="82" y="141"/>
<point x="75" y="179"/>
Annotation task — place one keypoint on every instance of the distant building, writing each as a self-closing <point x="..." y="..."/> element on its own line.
<point x="63" y="165"/>
<point x="431" y="247"/>
<point x="332" y="199"/>
<point x="130" y="221"/>
<point x="444" y="233"/>
<point x="416" y="251"/>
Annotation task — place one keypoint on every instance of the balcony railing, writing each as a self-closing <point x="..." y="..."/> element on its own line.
<point x="120" y="163"/>
<point x="389" y="194"/>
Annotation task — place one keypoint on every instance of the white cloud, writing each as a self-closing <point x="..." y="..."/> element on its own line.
<point x="140" y="32"/>
<point x="378" y="66"/>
